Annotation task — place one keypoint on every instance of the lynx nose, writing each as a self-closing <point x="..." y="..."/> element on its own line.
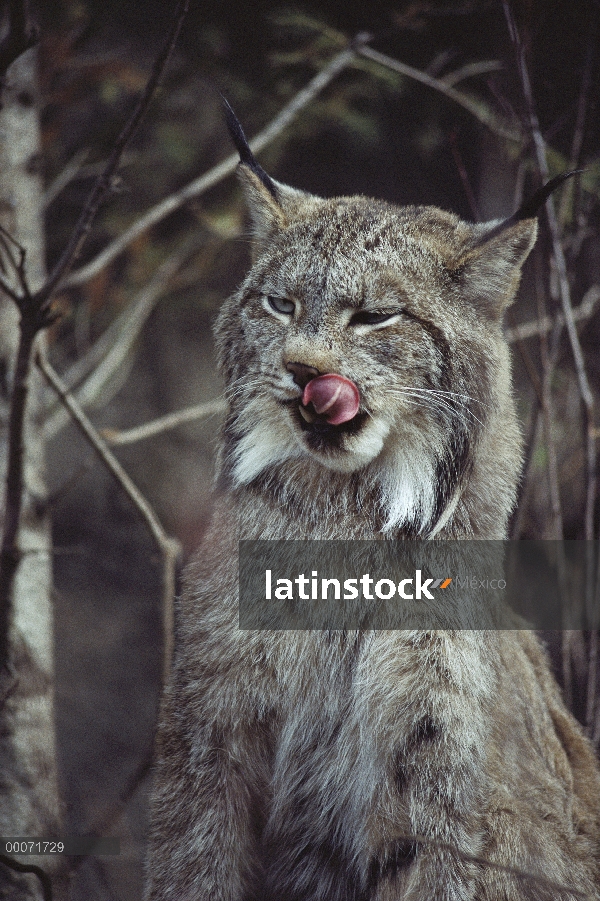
<point x="302" y="373"/>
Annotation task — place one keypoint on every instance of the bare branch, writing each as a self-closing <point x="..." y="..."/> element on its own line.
<point x="6" y="286"/>
<point x="132" y="317"/>
<point x="452" y="137"/>
<point x="547" y="409"/>
<point x="546" y="324"/>
<point x="102" y="186"/>
<point x="165" y="423"/>
<point x="563" y="281"/>
<point x="118" y="340"/>
<point x="215" y="175"/>
<point x="470" y="70"/>
<point x="582" y="105"/>
<point x="532" y="439"/>
<point x="167" y="546"/>
<point x="475" y="107"/>
<point x="63" y="178"/>
<point x="14" y="254"/>
<point x="586" y="83"/>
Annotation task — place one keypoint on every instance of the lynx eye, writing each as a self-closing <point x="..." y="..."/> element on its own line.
<point x="281" y="305"/>
<point x="368" y="317"/>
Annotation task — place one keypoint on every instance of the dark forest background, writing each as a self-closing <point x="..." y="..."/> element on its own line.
<point x="371" y="131"/>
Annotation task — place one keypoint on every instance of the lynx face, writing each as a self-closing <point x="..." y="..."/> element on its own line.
<point x="367" y="336"/>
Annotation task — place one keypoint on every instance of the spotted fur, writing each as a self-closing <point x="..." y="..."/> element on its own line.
<point x="366" y="766"/>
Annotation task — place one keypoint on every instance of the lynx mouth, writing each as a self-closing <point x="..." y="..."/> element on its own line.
<point x="327" y="410"/>
<point x="333" y="397"/>
<point x="322" y="433"/>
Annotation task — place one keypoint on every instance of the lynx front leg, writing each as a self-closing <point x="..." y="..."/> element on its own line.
<point x="426" y="818"/>
<point x="207" y="810"/>
<point x="436" y="830"/>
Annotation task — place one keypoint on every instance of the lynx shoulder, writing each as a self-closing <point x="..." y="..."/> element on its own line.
<point x="369" y="397"/>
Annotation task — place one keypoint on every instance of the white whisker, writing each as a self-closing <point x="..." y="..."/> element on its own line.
<point x="437" y="400"/>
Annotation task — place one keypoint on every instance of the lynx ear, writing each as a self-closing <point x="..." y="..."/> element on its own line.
<point x="271" y="208"/>
<point x="271" y="204"/>
<point x="490" y="272"/>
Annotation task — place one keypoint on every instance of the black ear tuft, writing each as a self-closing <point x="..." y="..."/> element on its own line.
<point x="241" y="145"/>
<point x="530" y="208"/>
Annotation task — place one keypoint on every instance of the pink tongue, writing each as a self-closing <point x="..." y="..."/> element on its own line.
<point x="333" y="396"/>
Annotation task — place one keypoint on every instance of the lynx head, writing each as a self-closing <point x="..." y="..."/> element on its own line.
<point x="367" y="338"/>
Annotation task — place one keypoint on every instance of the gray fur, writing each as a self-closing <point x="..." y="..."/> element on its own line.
<point x="300" y="766"/>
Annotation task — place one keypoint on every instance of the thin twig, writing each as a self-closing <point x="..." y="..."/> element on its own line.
<point x="470" y="70"/>
<point x="546" y="324"/>
<point x="532" y="439"/>
<point x="118" y="340"/>
<point x="476" y="108"/>
<point x="168" y="547"/>
<point x="547" y="411"/>
<point x="65" y="176"/>
<point x="518" y="334"/>
<point x="127" y="319"/>
<point x="8" y="289"/>
<point x="15" y="255"/>
<point x="102" y="186"/>
<point x="536" y="426"/>
<point x="549" y="357"/>
<point x="584" y="388"/>
<point x="165" y="423"/>
<point x="215" y="175"/>
<point x="541" y="421"/>
<point x="582" y="105"/>
<point x="585" y="391"/>
<point x="527" y="362"/>
<point x="464" y="177"/>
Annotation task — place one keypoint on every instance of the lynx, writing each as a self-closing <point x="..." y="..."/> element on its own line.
<point x="370" y="397"/>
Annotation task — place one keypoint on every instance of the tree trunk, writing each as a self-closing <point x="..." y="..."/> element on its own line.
<point x="29" y="801"/>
